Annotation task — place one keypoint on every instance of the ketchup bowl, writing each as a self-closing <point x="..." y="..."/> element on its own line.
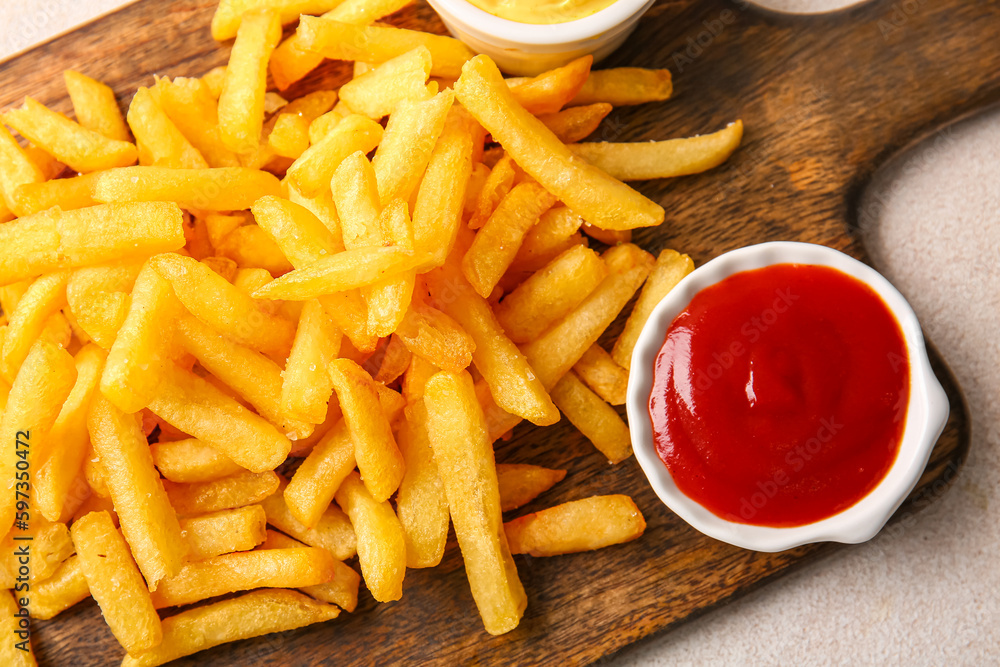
<point x="855" y="519"/>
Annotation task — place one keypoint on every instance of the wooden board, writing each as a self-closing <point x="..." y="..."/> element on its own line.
<point x="825" y="100"/>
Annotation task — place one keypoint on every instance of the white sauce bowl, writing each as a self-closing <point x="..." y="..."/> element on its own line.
<point x="527" y="49"/>
<point x="926" y="416"/>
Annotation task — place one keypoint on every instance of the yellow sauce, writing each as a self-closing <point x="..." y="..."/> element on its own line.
<point x="542" y="12"/>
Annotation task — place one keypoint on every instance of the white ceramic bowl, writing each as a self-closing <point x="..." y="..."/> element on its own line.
<point x="526" y="49"/>
<point x="926" y="415"/>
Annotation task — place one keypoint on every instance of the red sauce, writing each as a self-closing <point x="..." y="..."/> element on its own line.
<point x="779" y="396"/>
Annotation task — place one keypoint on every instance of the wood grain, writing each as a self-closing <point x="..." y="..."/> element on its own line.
<point x="825" y="100"/>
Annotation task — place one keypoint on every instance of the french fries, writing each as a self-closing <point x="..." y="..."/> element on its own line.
<point x="16" y="169"/>
<point x="520" y="483"/>
<point x="225" y="531"/>
<point x="163" y="144"/>
<point x="115" y="582"/>
<point x="513" y="381"/>
<point x="432" y="335"/>
<point x="306" y="386"/>
<point x="465" y="461"/>
<point x="670" y="269"/>
<point x="381" y="545"/>
<point x="42" y="384"/>
<point x="332" y="532"/>
<point x="95" y="106"/>
<point x="378" y="92"/>
<point x="375" y="449"/>
<point x="550" y="294"/>
<point x="623" y="86"/>
<point x="581" y="525"/>
<point x="312" y="487"/>
<point x="242" y="571"/>
<point x="551" y="91"/>
<point x="256" y="288"/>
<point x="599" y="198"/>
<point x="562" y="345"/>
<point x="310" y="174"/>
<point x="147" y="518"/>
<point x="441" y="195"/>
<point x="250" y="615"/>
<point x="663" y="159"/>
<point x="496" y="245"/>
<point x="593" y="417"/>
<point x="53" y="240"/>
<point x="377" y="44"/>
<point x="143" y="349"/>
<point x="342" y="590"/>
<point x="66" y="587"/>
<point x="605" y="377"/>
<point x="190" y="460"/>
<point x="195" y="406"/>
<point x="240" y="489"/>
<point x="421" y="504"/>
<point x="241" y="101"/>
<point x="222" y="189"/>
<point x="72" y="144"/>
<point x="17" y="651"/>
<point x="69" y="436"/>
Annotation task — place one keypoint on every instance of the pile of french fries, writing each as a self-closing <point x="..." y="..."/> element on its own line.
<point x="246" y="339"/>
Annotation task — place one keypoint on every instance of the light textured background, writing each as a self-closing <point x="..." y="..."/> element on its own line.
<point x="926" y="591"/>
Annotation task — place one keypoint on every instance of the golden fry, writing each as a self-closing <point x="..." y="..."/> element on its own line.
<point x="624" y="86"/>
<point x="60" y="591"/>
<point x="520" y="483"/>
<point x="194" y="406"/>
<point x="45" y="297"/>
<point x="95" y="106"/>
<point x="223" y="532"/>
<point x="148" y="521"/>
<point x="191" y="460"/>
<point x="162" y="142"/>
<point x="16" y="169"/>
<point x="581" y="525"/>
<point x="240" y="489"/>
<point x="193" y="109"/>
<point x="663" y="159"/>
<point x="223" y="189"/>
<point x="245" y="570"/>
<point x="465" y="461"/>
<point x="54" y="239"/>
<point x="600" y="372"/>
<point x="229" y="13"/>
<point x="379" y="92"/>
<point x="252" y="615"/>
<point x="555" y="233"/>
<point x="550" y="294"/>
<point x="378" y="457"/>
<point x="377" y="44"/>
<point x="421" y="504"/>
<point x="439" y="339"/>
<point x="342" y="590"/>
<point x="562" y="345"/>
<point x="670" y="269"/>
<point x="576" y="123"/>
<point x="310" y="490"/>
<point x="306" y="387"/>
<point x="115" y="582"/>
<point x="597" y="420"/>
<point x="66" y="193"/>
<point x="241" y="102"/>
<point x="495" y="246"/>
<point x="381" y="545"/>
<point x="602" y="200"/>
<point x="69" y="436"/>
<point x="332" y="532"/>
<point x="72" y="144"/>
<point x="551" y="91"/>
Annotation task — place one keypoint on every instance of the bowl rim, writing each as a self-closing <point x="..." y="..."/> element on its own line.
<point x="927" y="410"/>
<point x="489" y="26"/>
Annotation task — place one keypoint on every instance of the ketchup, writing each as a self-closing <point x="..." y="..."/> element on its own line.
<point x="780" y="394"/>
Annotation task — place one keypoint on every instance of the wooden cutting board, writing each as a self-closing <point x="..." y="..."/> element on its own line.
<point x="826" y="100"/>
